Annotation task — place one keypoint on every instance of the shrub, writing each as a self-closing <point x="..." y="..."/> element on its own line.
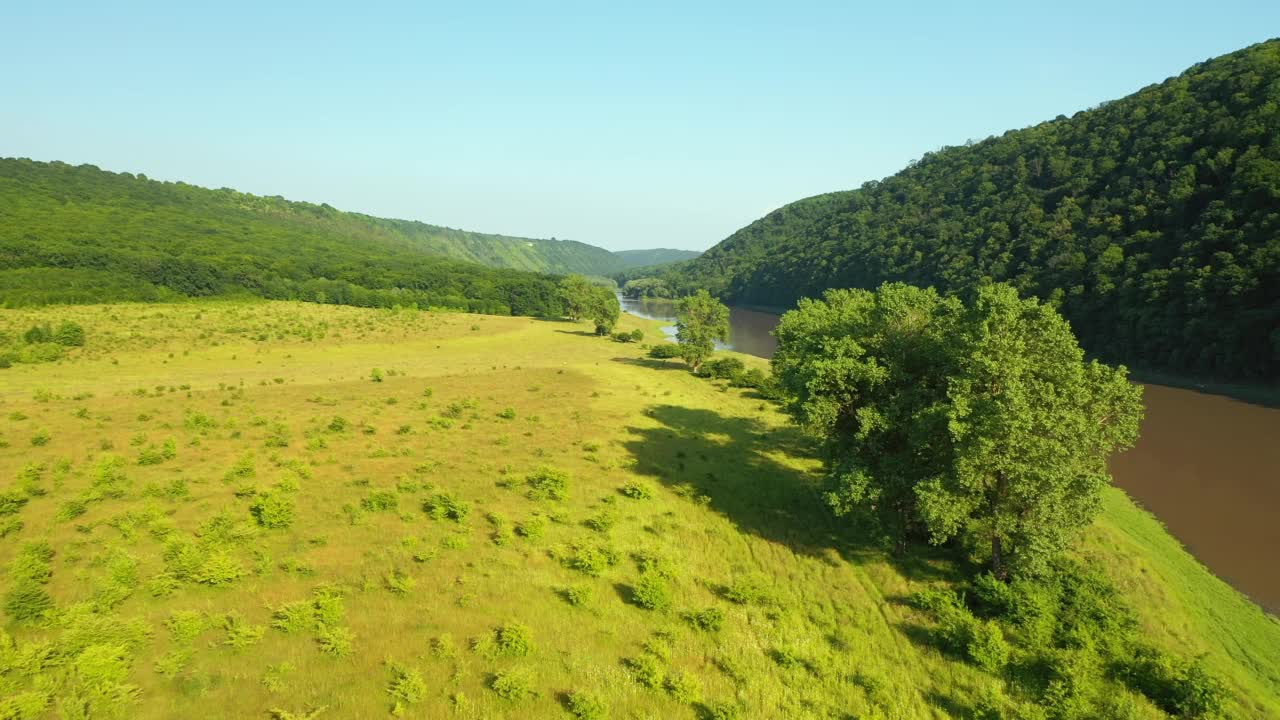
<point x="708" y="619"/>
<point x="987" y="647"/>
<point x="721" y="368"/>
<point x="27" y="601"/>
<point x="381" y="501"/>
<point x="11" y="502"/>
<point x="273" y="510"/>
<point x="586" y="706"/>
<point x="37" y="334"/>
<point x="513" y="685"/>
<point x="548" y="483"/>
<point x="753" y="378"/>
<point x="68" y="334"/>
<point x="444" y="506"/>
<point x="651" y="592"/>
<point x="219" y="569"/>
<point x="683" y="687"/>
<point x="590" y="559"/>
<point x="336" y="641"/>
<point x="1180" y="688"/>
<point x="577" y="595"/>
<point x="533" y="528"/>
<point x="241" y="634"/>
<point x="637" y="335"/>
<point x="407" y="686"/>
<point x="722" y="710"/>
<point x="513" y="639"/>
<point x="508" y="413"/>
<point x="376" y="375"/>
<point x="41" y="438"/>
<point x="637" y="491"/>
<point x="621" y="337"/>
<point x="748" y="590"/>
<point x="665" y="351"/>
<point x="651" y="562"/>
<point x="400" y="583"/>
<point x="603" y="521"/>
<point x="648" y="671"/>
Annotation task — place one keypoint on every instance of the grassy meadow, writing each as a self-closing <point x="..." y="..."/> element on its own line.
<point x="255" y="510"/>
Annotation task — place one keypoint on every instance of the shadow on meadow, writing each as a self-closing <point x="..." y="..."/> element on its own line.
<point x="652" y="363"/>
<point x="732" y="461"/>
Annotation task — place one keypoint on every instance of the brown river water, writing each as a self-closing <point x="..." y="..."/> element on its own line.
<point x="1208" y="466"/>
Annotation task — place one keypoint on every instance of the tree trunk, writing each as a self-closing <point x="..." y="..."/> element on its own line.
<point x="997" y="558"/>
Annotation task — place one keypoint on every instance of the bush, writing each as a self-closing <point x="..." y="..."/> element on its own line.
<point x="637" y="335"/>
<point x="336" y="641"/>
<point x="548" y="483"/>
<point x="753" y="378"/>
<point x="683" y="687"/>
<point x="651" y="592"/>
<point x="648" y="671"/>
<point x="987" y="647"/>
<point x="37" y="334"/>
<point x="381" y="501"/>
<point x="585" y="706"/>
<point x="273" y="510"/>
<point x="708" y="619"/>
<point x="721" y="368"/>
<point x="622" y="337"/>
<point x="590" y="559"/>
<point x="41" y="438"/>
<point x="748" y="590"/>
<point x="721" y="711"/>
<point x="513" y="685"/>
<point x="513" y="639"/>
<point x="665" y="351"/>
<point x="443" y="506"/>
<point x="577" y="595"/>
<point x="637" y="491"/>
<point x="27" y="601"/>
<point x="376" y="375"/>
<point x="533" y="528"/>
<point x="69" y="334"/>
<point x="11" y="502"/>
<point x="1180" y="688"/>
<point x="407" y="686"/>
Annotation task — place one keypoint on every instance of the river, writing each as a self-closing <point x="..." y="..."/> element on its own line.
<point x="1208" y="466"/>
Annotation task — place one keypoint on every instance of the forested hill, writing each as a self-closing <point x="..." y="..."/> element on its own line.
<point x="658" y="256"/>
<point x="1153" y="220"/>
<point x="46" y="205"/>
<point x="79" y="234"/>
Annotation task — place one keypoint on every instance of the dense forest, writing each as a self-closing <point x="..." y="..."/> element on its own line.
<point x="1152" y="223"/>
<point x="81" y="234"/>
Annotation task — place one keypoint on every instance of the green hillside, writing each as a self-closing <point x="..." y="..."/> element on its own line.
<point x="82" y="234"/>
<point x="1153" y="222"/>
<point x="657" y="256"/>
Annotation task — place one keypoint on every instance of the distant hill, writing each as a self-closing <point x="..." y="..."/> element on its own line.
<point x="660" y="256"/>
<point x="81" y="234"/>
<point x="1153" y="222"/>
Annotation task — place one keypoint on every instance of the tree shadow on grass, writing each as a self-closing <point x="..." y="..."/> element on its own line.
<point x="583" y="333"/>
<point x="733" y="462"/>
<point x="653" y="363"/>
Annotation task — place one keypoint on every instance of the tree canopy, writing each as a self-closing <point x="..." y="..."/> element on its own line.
<point x="981" y="421"/>
<point x="1152" y="223"/>
<point x="701" y="320"/>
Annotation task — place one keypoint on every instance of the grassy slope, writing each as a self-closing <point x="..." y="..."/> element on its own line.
<point x="734" y="498"/>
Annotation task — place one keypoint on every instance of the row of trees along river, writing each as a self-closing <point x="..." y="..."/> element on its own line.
<point x="1208" y="466"/>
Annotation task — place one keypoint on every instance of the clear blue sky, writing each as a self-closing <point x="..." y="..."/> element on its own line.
<point x="621" y="124"/>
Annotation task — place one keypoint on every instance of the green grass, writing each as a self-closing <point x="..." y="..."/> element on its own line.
<point x="173" y="598"/>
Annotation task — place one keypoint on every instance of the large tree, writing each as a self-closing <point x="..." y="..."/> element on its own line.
<point x="603" y="309"/>
<point x="980" y="421"/>
<point x="577" y="293"/>
<point x="701" y="320"/>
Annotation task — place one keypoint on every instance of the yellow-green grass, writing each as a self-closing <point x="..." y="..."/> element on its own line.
<point x="733" y="498"/>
